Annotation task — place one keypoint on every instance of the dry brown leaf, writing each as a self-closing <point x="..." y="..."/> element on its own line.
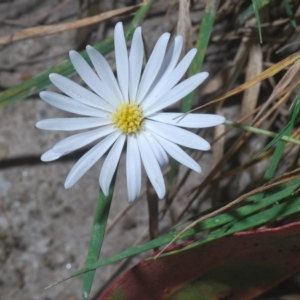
<point x="184" y="25"/>
<point x="254" y="68"/>
<point x="265" y="74"/>
<point x="215" y="83"/>
<point x="52" y="29"/>
<point x="288" y="82"/>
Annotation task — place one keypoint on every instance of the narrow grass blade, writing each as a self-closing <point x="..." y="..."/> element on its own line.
<point x="290" y="13"/>
<point x="249" y="12"/>
<point x="290" y="207"/>
<point x="276" y="68"/>
<point x="43" y="30"/>
<point x="241" y="216"/>
<point x="97" y="236"/>
<point x="284" y="135"/>
<point x="293" y="119"/>
<point x="275" y="159"/>
<point x="277" y="211"/>
<point x="41" y="81"/>
<point x="275" y="197"/>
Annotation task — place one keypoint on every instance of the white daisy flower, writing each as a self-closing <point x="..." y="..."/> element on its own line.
<point x="127" y="109"/>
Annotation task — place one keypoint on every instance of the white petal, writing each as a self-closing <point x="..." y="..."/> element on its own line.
<point x="176" y="93"/>
<point x="151" y="166"/>
<point x="170" y="60"/>
<point x="110" y="164"/>
<point x="50" y="155"/>
<point x="80" y="140"/>
<point x="107" y="76"/>
<point x="70" y="124"/>
<point x="171" y="80"/>
<point x="85" y="71"/>
<point x="135" y="63"/>
<point x="89" y="159"/>
<point x="178" y="135"/>
<point x="121" y="60"/>
<point x="153" y="66"/>
<point x="177" y="153"/>
<point x="133" y="168"/>
<point x="188" y="120"/>
<point x="68" y="104"/>
<point x="158" y="150"/>
<point x="79" y="93"/>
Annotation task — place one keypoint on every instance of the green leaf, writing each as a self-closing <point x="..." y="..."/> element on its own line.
<point x="284" y="138"/>
<point x="97" y="236"/>
<point x="41" y="81"/>
<point x="290" y="13"/>
<point x="285" y="209"/>
<point x="249" y="12"/>
<point x="239" y="219"/>
<point x="279" y="210"/>
<point x="293" y="119"/>
<point x="275" y="197"/>
<point x="247" y="265"/>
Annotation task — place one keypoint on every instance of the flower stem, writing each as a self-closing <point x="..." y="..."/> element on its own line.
<point x="97" y="236"/>
<point x="261" y="131"/>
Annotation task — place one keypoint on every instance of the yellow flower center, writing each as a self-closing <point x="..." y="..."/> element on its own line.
<point x="128" y="118"/>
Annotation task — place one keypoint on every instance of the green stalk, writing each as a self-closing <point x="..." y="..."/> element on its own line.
<point x="262" y="131"/>
<point x="103" y="204"/>
<point x="97" y="236"/>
